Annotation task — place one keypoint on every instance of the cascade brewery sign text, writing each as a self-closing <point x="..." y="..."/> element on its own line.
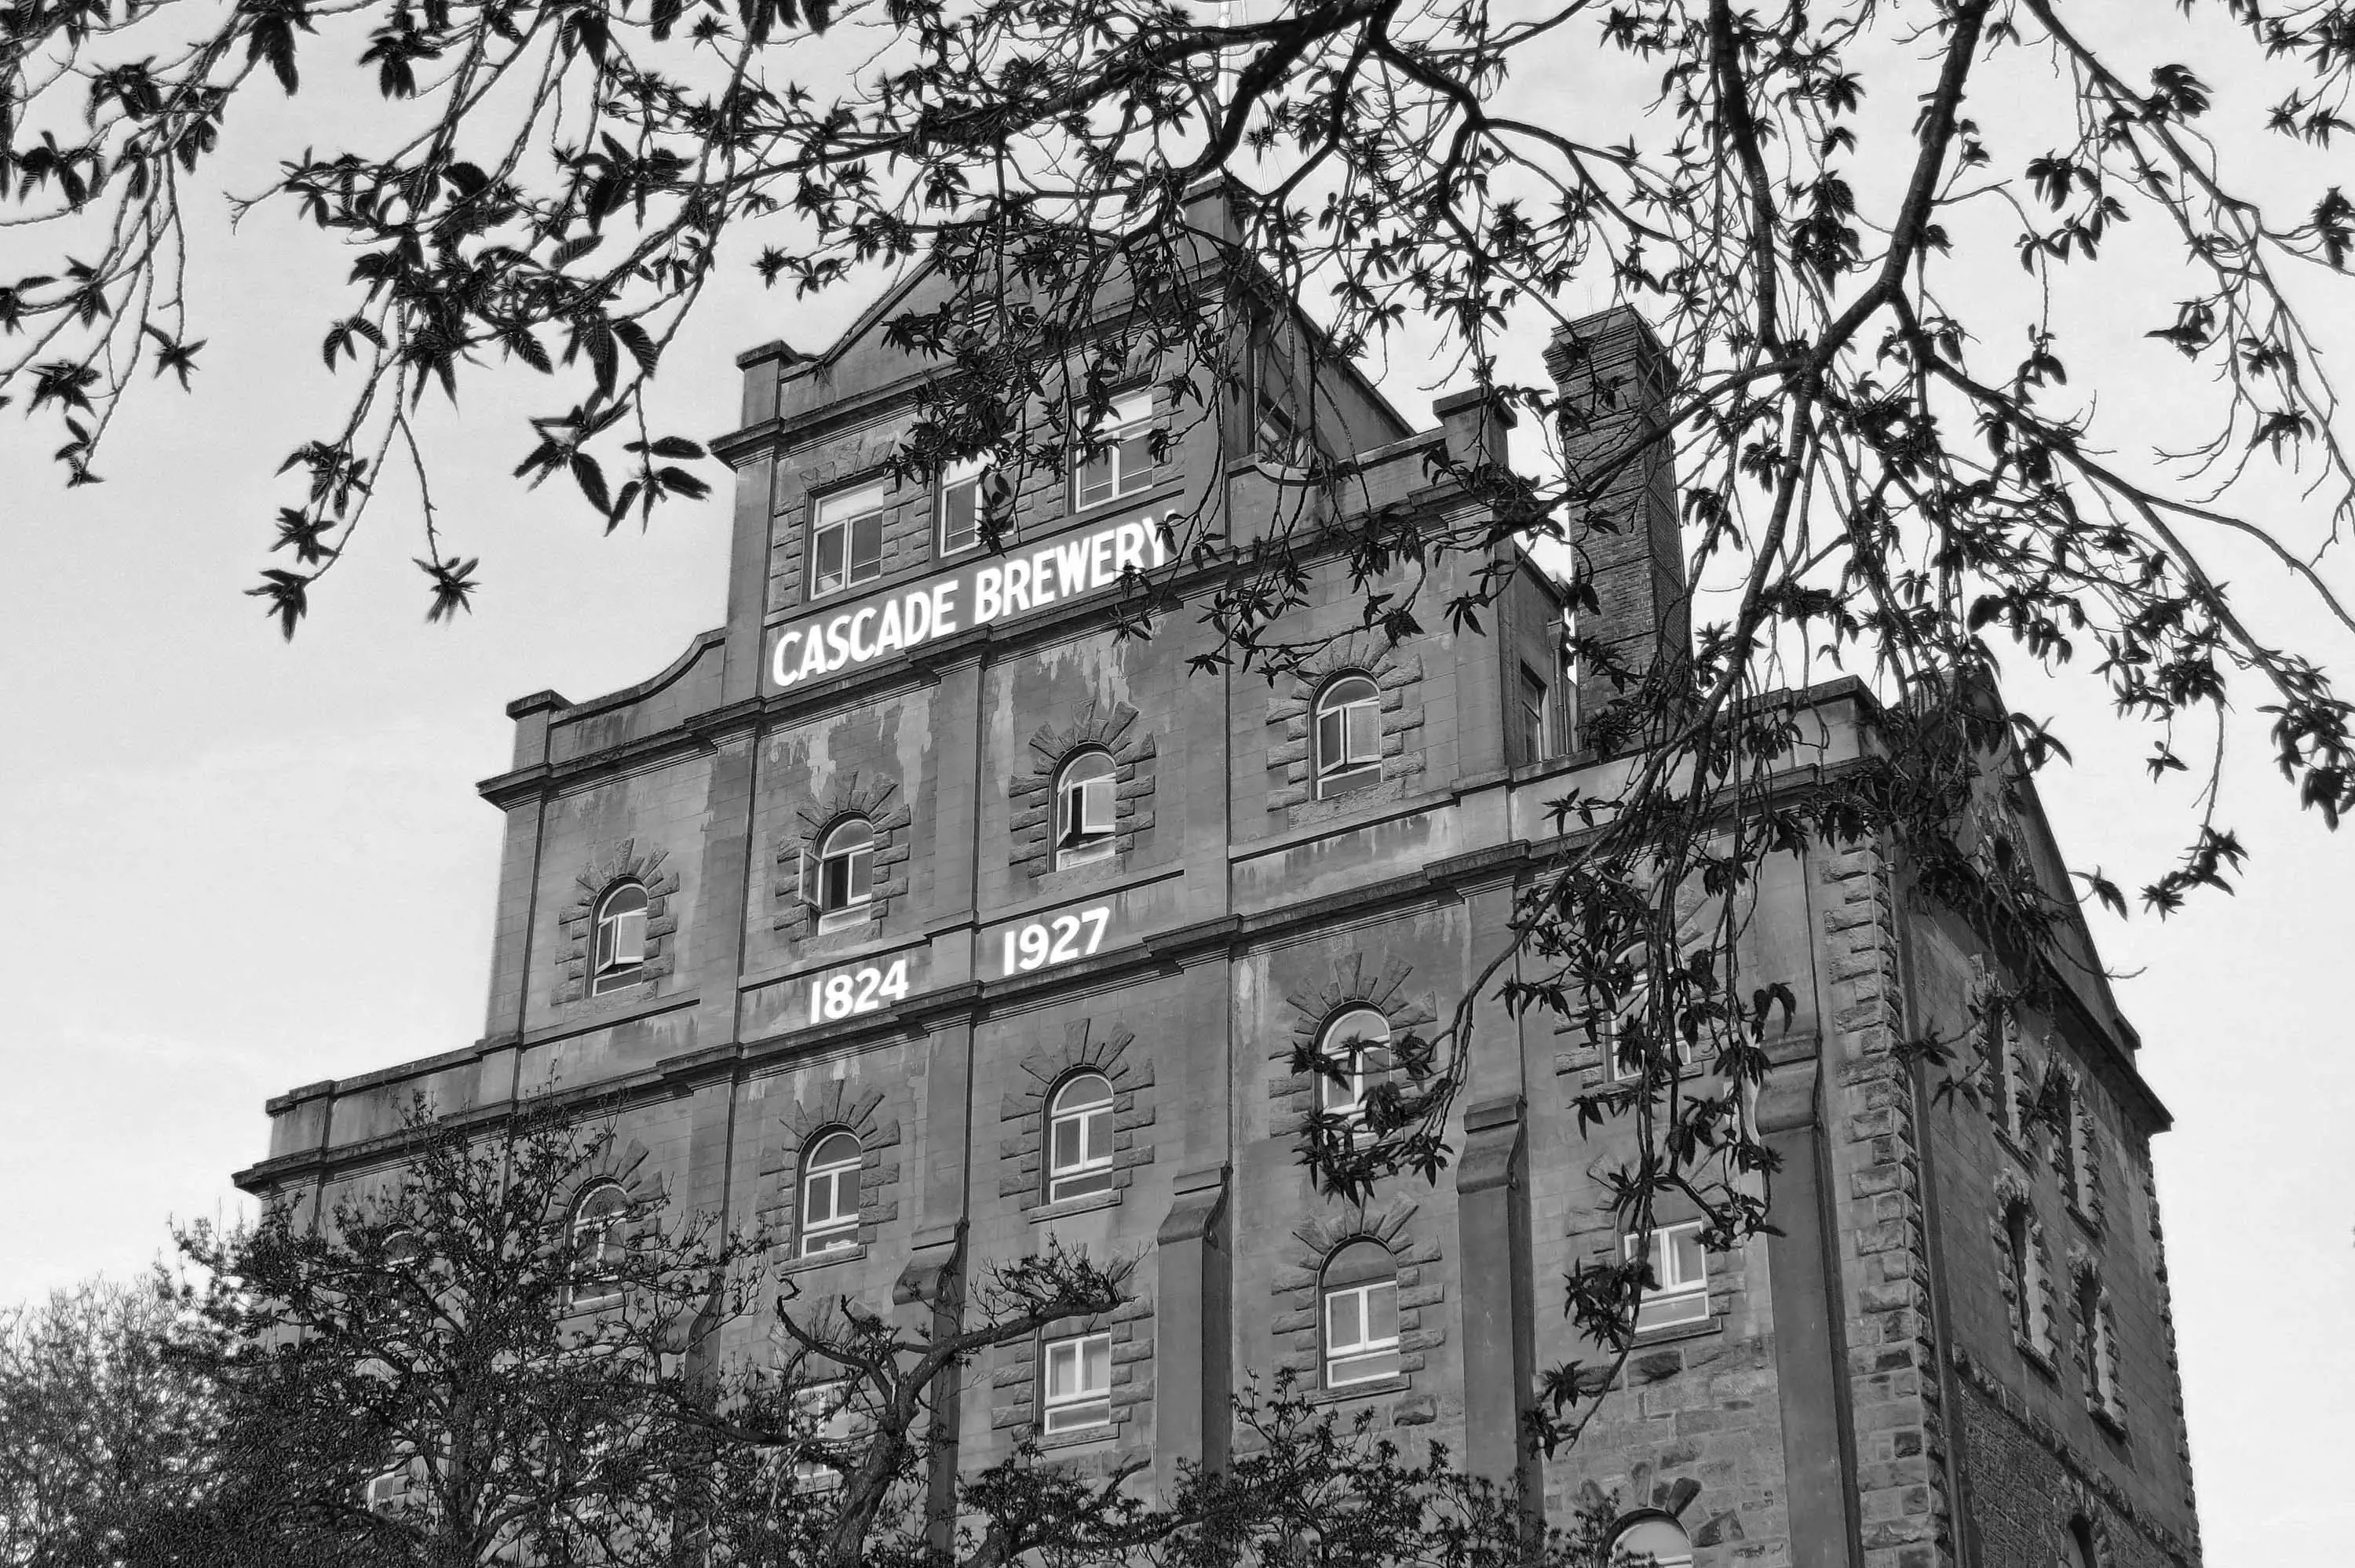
<point x="989" y="589"/>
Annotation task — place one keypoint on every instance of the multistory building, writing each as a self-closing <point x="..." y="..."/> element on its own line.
<point x="922" y="911"/>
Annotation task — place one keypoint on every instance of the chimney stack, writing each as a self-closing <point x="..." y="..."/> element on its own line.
<point x="1613" y="381"/>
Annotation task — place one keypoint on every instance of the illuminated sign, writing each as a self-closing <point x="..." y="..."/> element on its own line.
<point x="985" y="591"/>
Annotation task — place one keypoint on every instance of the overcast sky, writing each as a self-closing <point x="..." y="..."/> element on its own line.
<point x="232" y="866"/>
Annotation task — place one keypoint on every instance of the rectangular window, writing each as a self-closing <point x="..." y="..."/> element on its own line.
<point x="821" y="1414"/>
<point x="845" y="545"/>
<point x="962" y="505"/>
<point x="1616" y="1034"/>
<point x="1679" y="1289"/>
<point x="1537" y="741"/>
<point x="1361" y="1333"/>
<point x="1076" y="1379"/>
<point x="1123" y="464"/>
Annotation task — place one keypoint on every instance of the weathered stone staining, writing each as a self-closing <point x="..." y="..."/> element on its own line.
<point x="884" y="899"/>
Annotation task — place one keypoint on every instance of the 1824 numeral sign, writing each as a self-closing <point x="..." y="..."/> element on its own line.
<point x="854" y="991"/>
<point x="1056" y="941"/>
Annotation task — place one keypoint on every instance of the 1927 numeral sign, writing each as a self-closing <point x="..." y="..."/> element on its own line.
<point x="1057" y="942"/>
<point x="855" y="992"/>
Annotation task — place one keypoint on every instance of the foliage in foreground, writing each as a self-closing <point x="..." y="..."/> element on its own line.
<point x="1887" y="457"/>
<point x="444" y="1372"/>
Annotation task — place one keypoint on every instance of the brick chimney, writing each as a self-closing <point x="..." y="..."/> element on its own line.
<point x="1613" y="381"/>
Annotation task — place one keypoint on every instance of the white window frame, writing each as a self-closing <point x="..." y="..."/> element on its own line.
<point x="1087" y="811"/>
<point x="1091" y="1172"/>
<point x="966" y="473"/>
<point x="1538" y="737"/>
<point x="857" y="902"/>
<point x="1611" y="1024"/>
<point x="382" y="1494"/>
<point x="1621" y="1556"/>
<point x="839" y="1229"/>
<point x="1346" y="1097"/>
<point x="825" y="1407"/>
<point x="618" y="940"/>
<point x="1673" y="1301"/>
<point x="1131" y="416"/>
<point x="1084" y="1405"/>
<point x="580" y="1227"/>
<point x="842" y="511"/>
<point x="1353" y="756"/>
<point x="1365" y="1356"/>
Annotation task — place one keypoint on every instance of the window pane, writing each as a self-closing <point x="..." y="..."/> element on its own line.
<point x="827" y="560"/>
<point x="1096" y="480"/>
<point x="1343" y="1332"/>
<point x="1095" y="1367"/>
<point x="1329" y="740"/>
<point x="630" y="937"/>
<point x="1097" y="806"/>
<point x="1063" y="1370"/>
<point x="1381" y="1313"/>
<point x="865" y="546"/>
<point x="1686" y="1263"/>
<point x="1067" y="1144"/>
<point x="1135" y="462"/>
<point x="820" y="1200"/>
<point x="1365" y="731"/>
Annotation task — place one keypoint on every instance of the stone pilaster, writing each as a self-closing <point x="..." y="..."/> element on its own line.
<point x="1877" y="1207"/>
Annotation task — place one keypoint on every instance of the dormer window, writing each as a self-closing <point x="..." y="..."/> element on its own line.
<point x="1123" y="444"/>
<point x="1348" y="736"/>
<point x="845" y="543"/>
<point x="620" y="954"/>
<point x="1085" y="809"/>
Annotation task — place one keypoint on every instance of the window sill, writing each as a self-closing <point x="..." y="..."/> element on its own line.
<point x="2035" y="1357"/>
<point x="822" y="1259"/>
<point x="1334" y="789"/>
<point x="2085" y="1221"/>
<point x="849" y="589"/>
<point x="1669" y="1333"/>
<point x="2109" y="1421"/>
<point x="841" y="920"/>
<point x="1085" y="1204"/>
<point x="1397" y="1383"/>
<point x="1077" y="1437"/>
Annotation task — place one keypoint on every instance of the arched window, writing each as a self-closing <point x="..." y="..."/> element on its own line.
<point x="2061" y="1097"/>
<point x="1358" y="1045"/>
<point x="846" y="873"/>
<point x="1654" y="1540"/>
<point x="595" y="1238"/>
<point x="1347" y="736"/>
<point x="2094" y="1322"/>
<point x="1359" y="1293"/>
<point x="1079" y="1137"/>
<point x="829" y="1216"/>
<point x="1085" y="808"/>
<point x="2081" y="1542"/>
<point x="621" y="950"/>
<point x="2020" y="1271"/>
